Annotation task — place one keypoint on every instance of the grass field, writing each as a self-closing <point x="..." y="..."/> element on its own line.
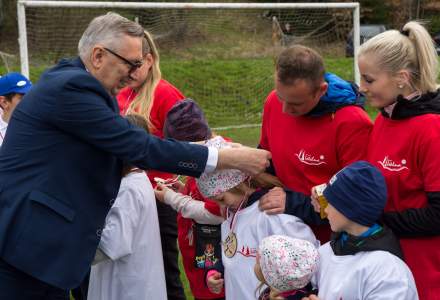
<point x="227" y="96"/>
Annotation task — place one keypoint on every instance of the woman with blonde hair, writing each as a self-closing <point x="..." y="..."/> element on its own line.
<point x="152" y="97"/>
<point x="399" y="70"/>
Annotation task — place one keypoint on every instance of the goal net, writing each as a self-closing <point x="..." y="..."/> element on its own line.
<point x="222" y="57"/>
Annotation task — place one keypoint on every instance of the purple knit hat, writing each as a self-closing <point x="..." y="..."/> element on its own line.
<point x="287" y="263"/>
<point x="185" y="121"/>
<point x="217" y="182"/>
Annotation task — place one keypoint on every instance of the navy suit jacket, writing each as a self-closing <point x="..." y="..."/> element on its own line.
<point x="60" y="171"/>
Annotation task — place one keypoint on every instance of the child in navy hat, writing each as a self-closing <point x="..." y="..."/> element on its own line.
<point x="13" y="86"/>
<point x="363" y="260"/>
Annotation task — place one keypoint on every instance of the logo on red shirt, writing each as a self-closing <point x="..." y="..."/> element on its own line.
<point x="391" y="165"/>
<point x="309" y="159"/>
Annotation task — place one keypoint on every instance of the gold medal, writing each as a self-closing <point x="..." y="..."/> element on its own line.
<point x="230" y="245"/>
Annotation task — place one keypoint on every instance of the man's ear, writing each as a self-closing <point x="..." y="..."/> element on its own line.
<point x="323" y="86"/>
<point x="97" y="57"/>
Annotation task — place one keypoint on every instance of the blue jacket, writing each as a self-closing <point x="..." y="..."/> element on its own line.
<point x="340" y="93"/>
<point x="60" y="170"/>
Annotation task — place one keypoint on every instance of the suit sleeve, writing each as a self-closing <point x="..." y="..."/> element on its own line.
<point x="83" y="112"/>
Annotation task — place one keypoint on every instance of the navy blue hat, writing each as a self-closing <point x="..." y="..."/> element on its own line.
<point x="358" y="192"/>
<point x="14" y="83"/>
<point x="185" y="121"/>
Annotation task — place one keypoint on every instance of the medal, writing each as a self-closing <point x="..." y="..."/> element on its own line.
<point x="230" y="244"/>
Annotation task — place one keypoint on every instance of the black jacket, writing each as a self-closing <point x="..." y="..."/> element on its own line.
<point x="383" y="240"/>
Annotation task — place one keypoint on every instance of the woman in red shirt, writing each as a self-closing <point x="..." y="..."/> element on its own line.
<point x="151" y="96"/>
<point x="399" y="70"/>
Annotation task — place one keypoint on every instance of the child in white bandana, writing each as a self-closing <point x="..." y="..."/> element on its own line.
<point x="243" y="230"/>
<point x="286" y="265"/>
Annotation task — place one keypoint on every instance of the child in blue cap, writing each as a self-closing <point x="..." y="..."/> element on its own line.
<point x="13" y="86"/>
<point x="363" y="260"/>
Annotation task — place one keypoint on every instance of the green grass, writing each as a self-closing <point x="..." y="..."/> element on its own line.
<point x="230" y="91"/>
<point x="185" y="282"/>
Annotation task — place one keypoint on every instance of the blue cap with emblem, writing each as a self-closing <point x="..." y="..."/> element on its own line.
<point x="14" y="83"/>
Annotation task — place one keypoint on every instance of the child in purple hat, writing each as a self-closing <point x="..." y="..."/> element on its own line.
<point x="198" y="218"/>
<point x="13" y="86"/>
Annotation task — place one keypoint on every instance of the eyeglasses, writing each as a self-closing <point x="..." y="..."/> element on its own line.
<point x="133" y="65"/>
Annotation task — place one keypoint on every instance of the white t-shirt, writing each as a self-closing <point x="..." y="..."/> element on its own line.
<point x="3" y="127"/>
<point x="251" y="226"/>
<point x="375" y="275"/>
<point x="131" y="239"/>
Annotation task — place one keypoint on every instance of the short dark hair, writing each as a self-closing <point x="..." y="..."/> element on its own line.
<point x="9" y="96"/>
<point x="300" y="62"/>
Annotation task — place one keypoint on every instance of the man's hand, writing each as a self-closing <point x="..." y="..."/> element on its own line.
<point x="215" y="283"/>
<point x="160" y="192"/>
<point x="249" y="160"/>
<point x="274" y="202"/>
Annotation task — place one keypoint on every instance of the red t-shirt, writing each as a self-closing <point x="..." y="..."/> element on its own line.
<point x="165" y="96"/>
<point x="407" y="152"/>
<point x="196" y="276"/>
<point x="307" y="151"/>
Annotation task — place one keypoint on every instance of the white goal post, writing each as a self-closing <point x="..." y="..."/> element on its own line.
<point x="22" y="4"/>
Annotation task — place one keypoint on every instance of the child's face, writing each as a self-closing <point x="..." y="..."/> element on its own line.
<point x="229" y="199"/>
<point x="338" y="222"/>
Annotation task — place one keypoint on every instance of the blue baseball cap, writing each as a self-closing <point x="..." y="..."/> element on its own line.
<point x="14" y="83"/>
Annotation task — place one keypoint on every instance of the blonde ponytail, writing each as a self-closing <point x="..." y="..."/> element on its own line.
<point x="144" y="99"/>
<point x="411" y="49"/>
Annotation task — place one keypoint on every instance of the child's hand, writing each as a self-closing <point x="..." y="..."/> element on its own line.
<point x="160" y="192"/>
<point x="273" y="202"/>
<point x="315" y="201"/>
<point x="178" y="186"/>
<point x="215" y="282"/>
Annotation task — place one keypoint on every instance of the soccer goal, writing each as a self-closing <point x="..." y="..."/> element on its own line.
<point x="220" y="54"/>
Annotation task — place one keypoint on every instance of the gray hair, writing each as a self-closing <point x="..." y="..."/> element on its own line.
<point x="107" y="30"/>
<point x="412" y="49"/>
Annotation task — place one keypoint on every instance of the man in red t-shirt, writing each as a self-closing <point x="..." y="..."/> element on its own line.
<point x="314" y="125"/>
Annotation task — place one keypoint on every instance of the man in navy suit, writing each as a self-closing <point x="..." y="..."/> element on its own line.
<point x="61" y="163"/>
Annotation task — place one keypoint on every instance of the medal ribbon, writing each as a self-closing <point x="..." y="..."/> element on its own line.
<point x="234" y="217"/>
